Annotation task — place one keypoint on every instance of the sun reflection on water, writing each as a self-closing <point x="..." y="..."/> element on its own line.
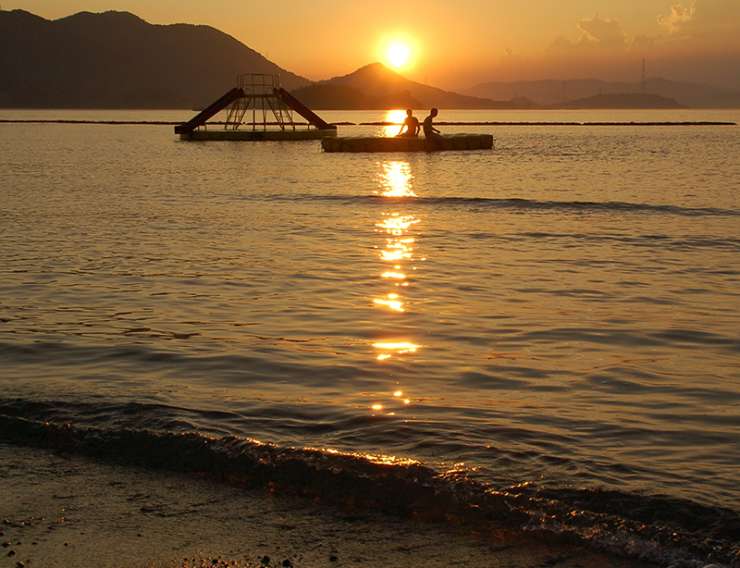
<point x="397" y="256"/>
<point x="396" y="179"/>
<point x="390" y="348"/>
<point x="379" y="459"/>
<point x="391" y="301"/>
<point x="395" y="119"/>
<point x="393" y="275"/>
<point x="397" y="224"/>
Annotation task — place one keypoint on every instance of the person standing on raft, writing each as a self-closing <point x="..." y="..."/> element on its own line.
<point x="430" y="133"/>
<point x="410" y="125"/>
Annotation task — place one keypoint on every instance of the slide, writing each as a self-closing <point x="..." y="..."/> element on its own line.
<point x="312" y="118"/>
<point x="206" y="113"/>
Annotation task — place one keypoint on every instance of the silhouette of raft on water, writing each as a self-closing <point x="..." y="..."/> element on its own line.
<point x="408" y="144"/>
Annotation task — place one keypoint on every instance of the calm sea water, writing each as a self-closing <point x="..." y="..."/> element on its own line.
<point x="563" y="310"/>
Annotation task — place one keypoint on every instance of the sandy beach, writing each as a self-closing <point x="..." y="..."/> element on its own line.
<point x="63" y="511"/>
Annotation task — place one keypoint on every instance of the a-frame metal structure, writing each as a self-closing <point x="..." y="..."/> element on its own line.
<point x="258" y="109"/>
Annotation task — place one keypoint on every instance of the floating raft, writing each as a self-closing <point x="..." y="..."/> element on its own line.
<point x="402" y="144"/>
<point x="258" y="135"/>
<point x="256" y="93"/>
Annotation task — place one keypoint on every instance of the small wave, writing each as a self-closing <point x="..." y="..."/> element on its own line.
<point x="664" y="241"/>
<point x="517" y="204"/>
<point x="653" y="528"/>
<point x="676" y="338"/>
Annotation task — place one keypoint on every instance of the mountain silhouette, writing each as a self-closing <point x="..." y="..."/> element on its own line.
<point x="117" y="60"/>
<point x="621" y="101"/>
<point x="341" y="97"/>
<point x="375" y="86"/>
<point x="554" y="92"/>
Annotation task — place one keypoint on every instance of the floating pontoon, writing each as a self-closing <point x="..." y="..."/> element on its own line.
<point x="259" y="109"/>
<point x="403" y="144"/>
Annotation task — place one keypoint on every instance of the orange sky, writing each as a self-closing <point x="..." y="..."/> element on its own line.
<point x="458" y="43"/>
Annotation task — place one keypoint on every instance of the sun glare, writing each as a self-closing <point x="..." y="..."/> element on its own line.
<point x="399" y="54"/>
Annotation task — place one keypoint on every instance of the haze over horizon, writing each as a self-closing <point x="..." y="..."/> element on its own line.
<point x="459" y="45"/>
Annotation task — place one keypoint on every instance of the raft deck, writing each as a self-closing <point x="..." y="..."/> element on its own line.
<point x="403" y="144"/>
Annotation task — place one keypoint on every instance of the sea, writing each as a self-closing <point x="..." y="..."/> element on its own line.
<point x="546" y="333"/>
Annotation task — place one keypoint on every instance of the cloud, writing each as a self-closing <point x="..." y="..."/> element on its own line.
<point x="688" y="25"/>
<point x="708" y="19"/>
<point x="678" y="18"/>
<point x="596" y="32"/>
<point x="693" y="40"/>
<point x="602" y="32"/>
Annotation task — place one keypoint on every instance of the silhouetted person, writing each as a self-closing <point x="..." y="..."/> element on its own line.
<point x="433" y="138"/>
<point x="410" y="127"/>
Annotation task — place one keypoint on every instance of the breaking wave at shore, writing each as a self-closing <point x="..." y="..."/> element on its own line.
<point x="654" y="528"/>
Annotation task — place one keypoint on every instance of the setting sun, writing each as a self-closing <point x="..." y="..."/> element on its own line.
<point x="398" y="54"/>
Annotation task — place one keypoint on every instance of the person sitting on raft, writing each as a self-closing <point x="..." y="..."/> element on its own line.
<point x="431" y="133"/>
<point x="410" y="126"/>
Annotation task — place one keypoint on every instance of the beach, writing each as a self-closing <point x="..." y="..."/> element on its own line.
<point x="68" y="511"/>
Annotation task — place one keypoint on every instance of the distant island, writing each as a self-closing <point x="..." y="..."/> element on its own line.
<point x="622" y="101"/>
<point x="562" y="93"/>
<point x="117" y="60"/>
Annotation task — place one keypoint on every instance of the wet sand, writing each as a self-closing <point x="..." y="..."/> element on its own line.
<point x="62" y="511"/>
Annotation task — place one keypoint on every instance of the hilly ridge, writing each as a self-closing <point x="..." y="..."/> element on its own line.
<point x="117" y="60"/>
<point x="375" y="86"/>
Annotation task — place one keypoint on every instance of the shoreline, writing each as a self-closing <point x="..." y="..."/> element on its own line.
<point x="405" y="490"/>
<point x="63" y="510"/>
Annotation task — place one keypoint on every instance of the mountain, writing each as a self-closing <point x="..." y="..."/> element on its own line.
<point x="341" y="97"/>
<point x="621" y="101"/>
<point x="376" y="86"/>
<point x="117" y="60"/>
<point x="554" y="92"/>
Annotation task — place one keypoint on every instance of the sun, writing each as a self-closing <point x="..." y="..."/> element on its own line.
<point x="398" y="54"/>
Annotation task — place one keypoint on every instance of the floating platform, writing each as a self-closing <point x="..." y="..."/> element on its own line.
<point x="447" y="142"/>
<point x="258" y="135"/>
<point x="260" y="95"/>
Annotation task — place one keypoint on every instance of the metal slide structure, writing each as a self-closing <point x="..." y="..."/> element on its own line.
<point x="311" y="117"/>
<point x="258" y="97"/>
<point x="207" y="113"/>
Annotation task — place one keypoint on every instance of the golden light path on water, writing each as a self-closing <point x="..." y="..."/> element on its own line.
<point x="395" y="118"/>
<point x="397" y="256"/>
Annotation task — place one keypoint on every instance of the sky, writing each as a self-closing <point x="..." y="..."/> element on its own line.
<point x="459" y="43"/>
